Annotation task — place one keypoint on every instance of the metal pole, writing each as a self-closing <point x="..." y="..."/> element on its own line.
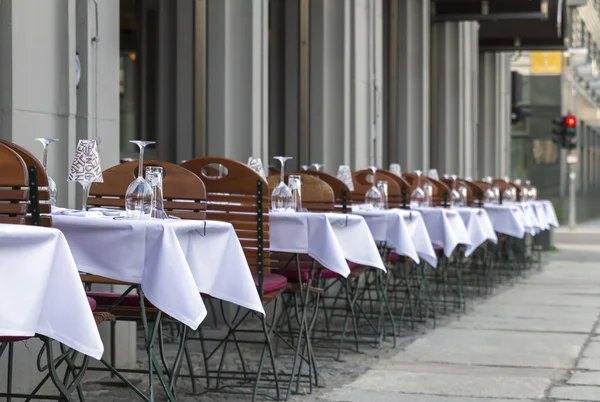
<point x="572" y="185"/>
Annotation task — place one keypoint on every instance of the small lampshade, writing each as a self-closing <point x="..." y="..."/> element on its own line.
<point x="395" y="169"/>
<point x="433" y="174"/>
<point x="345" y="175"/>
<point x="86" y="164"/>
<point x="257" y="165"/>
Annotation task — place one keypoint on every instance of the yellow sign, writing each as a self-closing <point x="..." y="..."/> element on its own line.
<point x="546" y="62"/>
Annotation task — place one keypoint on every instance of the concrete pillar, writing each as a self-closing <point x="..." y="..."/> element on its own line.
<point x="409" y="83"/>
<point x="454" y="97"/>
<point x="493" y="156"/>
<point x="237" y="93"/>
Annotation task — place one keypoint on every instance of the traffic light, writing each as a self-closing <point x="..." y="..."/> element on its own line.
<point x="565" y="131"/>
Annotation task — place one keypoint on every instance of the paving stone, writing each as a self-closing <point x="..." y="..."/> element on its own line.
<point x="457" y="380"/>
<point x="592" y="350"/>
<point x="347" y="395"/>
<point x="576" y="393"/>
<point x="588" y="363"/>
<point x="585" y="378"/>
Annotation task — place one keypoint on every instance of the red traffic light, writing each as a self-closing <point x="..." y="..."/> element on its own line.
<point x="570" y="121"/>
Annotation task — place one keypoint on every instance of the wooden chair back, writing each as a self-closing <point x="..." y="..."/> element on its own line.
<point x="474" y="193"/>
<point x="341" y="193"/>
<point x="183" y="192"/>
<point x="363" y="181"/>
<point x="395" y="201"/>
<point x="19" y="195"/>
<point x="440" y="190"/>
<point x="317" y="196"/>
<point x="241" y="197"/>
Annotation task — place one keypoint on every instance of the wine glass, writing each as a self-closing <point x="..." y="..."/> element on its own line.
<point x="51" y="184"/>
<point x="418" y="197"/>
<point x="304" y="167"/>
<point x="282" y="198"/>
<point x="317" y="166"/>
<point x="455" y="199"/>
<point x="138" y="198"/>
<point x="373" y="197"/>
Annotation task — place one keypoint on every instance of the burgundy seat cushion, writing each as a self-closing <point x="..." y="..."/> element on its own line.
<point x="3" y="339"/>
<point x="292" y="274"/>
<point x="272" y="282"/>
<point x="107" y="299"/>
<point x="438" y="249"/>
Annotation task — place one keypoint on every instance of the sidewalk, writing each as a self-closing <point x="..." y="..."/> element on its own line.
<point x="536" y="341"/>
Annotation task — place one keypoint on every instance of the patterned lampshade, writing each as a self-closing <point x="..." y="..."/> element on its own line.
<point x="86" y="164"/>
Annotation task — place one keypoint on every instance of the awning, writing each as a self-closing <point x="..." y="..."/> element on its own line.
<point x="484" y="10"/>
<point x="510" y="35"/>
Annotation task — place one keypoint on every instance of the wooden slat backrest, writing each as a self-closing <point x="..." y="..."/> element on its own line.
<point x="15" y="195"/>
<point x="395" y="201"/>
<point x="341" y="193"/>
<point x="184" y="193"/>
<point x="317" y="196"/>
<point x="30" y="160"/>
<point x="362" y="181"/>
<point x="234" y="197"/>
<point x="439" y="188"/>
<point x="503" y="185"/>
<point x="474" y="193"/>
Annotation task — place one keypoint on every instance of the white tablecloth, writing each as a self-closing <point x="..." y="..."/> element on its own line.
<point x="507" y="219"/>
<point x="145" y="252"/>
<point x="41" y="291"/>
<point x="402" y="230"/>
<point x="479" y="226"/>
<point x="446" y="228"/>
<point x="217" y="261"/>
<point x="550" y="212"/>
<point x="329" y="238"/>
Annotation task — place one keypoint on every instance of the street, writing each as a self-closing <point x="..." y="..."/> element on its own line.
<point x="535" y="341"/>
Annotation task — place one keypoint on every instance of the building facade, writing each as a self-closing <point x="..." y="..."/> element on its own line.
<point x="354" y="82"/>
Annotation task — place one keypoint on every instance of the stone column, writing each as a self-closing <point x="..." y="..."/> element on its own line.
<point x="454" y="97"/>
<point x="409" y="83"/>
<point x="493" y="157"/>
<point x="237" y="92"/>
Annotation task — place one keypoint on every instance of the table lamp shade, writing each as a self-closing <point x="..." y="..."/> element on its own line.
<point x="86" y="164"/>
<point x="257" y="165"/>
<point x="395" y="169"/>
<point x="345" y="175"/>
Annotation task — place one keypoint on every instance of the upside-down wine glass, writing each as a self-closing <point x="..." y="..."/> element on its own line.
<point x="317" y="166"/>
<point x="373" y="197"/>
<point x="52" y="191"/>
<point x="455" y="200"/>
<point x="138" y="198"/>
<point x="417" y="197"/>
<point x="282" y="199"/>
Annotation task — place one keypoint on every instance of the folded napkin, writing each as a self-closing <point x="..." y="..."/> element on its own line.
<point x="92" y="213"/>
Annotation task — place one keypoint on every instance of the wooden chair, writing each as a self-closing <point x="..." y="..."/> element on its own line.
<point x="341" y="193"/>
<point x="503" y="185"/>
<point x="183" y="191"/>
<point x="441" y="191"/>
<point x="317" y="196"/>
<point x="362" y="181"/>
<point x="396" y="202"/>
<point x="240" y="196"/>
<point x="34" y="196"/>
<point x="474" y="193"/>
<point x="19" y="196"/>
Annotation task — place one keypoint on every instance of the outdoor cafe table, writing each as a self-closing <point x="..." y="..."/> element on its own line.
<point x="479" y="226"/>
<point x="446" y="228"/>
<point x="41" y="291"/>
<point x="402" y="230"/>
<point x="332" y="239"/>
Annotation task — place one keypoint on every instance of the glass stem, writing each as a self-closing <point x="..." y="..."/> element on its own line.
<point x="141" y="168"/>
<point x="86" y="193"/>
<point x="45" y="157"/>
<point x="282" y="171"/>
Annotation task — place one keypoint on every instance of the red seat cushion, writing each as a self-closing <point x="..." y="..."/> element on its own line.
<point x="3" y="339"/>
<point x="107" y="299"/>
<point x="292" y="274"/>
<point x="439" y="250"/>
<point x="272" y="282"/>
